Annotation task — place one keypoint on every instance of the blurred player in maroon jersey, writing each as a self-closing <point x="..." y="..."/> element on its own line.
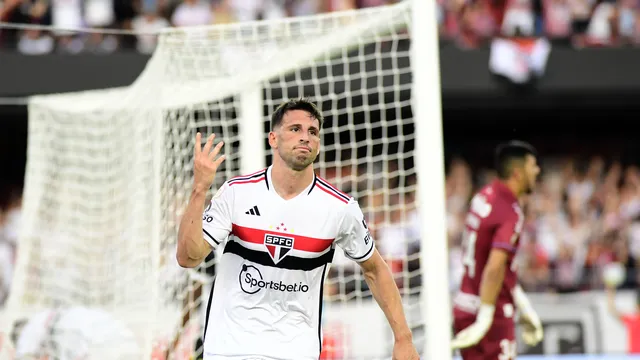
<point x="484" y="308"/>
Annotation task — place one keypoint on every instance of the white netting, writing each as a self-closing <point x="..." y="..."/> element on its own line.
<point x="109" y="171"/>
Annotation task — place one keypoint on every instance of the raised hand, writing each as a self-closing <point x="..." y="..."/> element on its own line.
<point x="206" y="162"/>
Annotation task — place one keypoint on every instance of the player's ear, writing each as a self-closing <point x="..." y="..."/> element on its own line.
<point x="272" y="140"/>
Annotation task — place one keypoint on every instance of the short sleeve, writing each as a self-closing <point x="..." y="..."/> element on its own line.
<point x="216" y="220"/>
<point x="508" y="230"/>
<point x="354" y="237"/>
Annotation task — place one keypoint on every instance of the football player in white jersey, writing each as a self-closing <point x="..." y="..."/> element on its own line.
<point x="74" y="333"/>
<point x="279" y="228"/>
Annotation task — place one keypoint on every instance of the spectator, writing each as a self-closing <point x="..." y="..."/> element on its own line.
<point x="192" y="13"/>
<point x="301" y="7"/>
<point x="518" y="19"/>
<point x="557" y="19"/>
<point x="626" y="15"/>
<point x="250" y="10"/>
<point x="34" y="41"/>
<point x="580" y="13"/>
<point x="602" y="27"/>
<point x="100" y="14"/>
<point x="477" y="25"/>
<point x="370" y="3"/>
<point x="339" y="5"/>
<point x="146" y="24"/>
<point x="65" y="15"/>
<point x="223" y="12"/>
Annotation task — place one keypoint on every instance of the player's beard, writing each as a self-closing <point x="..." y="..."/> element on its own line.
<point x="299" y="162"/>
<point x="531" y="184"/>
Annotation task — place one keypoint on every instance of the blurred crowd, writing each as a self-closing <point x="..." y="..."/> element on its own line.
<point x="143" y="16"/>
<point x="467" y="23"/>
<point x="576" y="23"/>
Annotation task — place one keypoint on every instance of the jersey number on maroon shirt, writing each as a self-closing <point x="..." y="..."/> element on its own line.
<point x="481" y="208"/>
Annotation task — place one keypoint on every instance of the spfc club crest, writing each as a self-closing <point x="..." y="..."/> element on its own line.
<point x="278" y="246"/>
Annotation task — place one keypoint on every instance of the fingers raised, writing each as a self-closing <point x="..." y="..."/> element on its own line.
<point x="219" y="161"/>
<point x="207" y="146"/>
<point x="216" y="150"/>
<point x="197" y="147"/>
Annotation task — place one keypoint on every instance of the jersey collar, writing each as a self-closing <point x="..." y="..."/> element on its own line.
<point x="270" y="188"/>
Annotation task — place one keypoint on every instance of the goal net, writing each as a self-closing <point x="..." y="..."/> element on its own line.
<point x="109" y="173"/>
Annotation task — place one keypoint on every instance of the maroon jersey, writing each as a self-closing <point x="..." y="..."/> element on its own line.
<point x="494" y="221"/>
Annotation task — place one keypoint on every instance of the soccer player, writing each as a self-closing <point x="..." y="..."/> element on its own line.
<point x="279" y="227"/>
<point x="75" y="333"/>
<point x="484" y="308"/>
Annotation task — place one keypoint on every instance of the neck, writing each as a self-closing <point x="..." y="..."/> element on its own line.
<point x="513" y="186"/>
<point x="287" y="182"/>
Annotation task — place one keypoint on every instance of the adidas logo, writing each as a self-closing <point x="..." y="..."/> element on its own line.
<point x="253" y="211"/>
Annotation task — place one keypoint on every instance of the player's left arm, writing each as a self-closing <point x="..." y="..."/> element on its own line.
<point x="533" y="331"/>
<point x="356" y="241"/>
<point x="384" y="290"/>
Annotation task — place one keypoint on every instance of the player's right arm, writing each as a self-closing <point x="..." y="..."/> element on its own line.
<point x="192" y="247"/>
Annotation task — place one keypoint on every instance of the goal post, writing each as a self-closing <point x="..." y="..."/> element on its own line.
<point x="427" y="110"/>
<point x="109" y="173"/>
<point x="252" y="148"/>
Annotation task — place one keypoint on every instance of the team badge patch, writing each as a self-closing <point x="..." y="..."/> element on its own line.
<point x="278" y="246"/>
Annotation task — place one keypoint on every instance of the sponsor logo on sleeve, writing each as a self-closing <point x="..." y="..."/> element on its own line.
<point x="367" y="237"/>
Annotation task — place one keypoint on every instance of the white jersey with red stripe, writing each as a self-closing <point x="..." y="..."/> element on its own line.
<point x="266" y="302"/>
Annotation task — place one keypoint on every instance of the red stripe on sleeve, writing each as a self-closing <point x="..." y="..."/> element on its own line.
<point x="246" y="181"/>
<point x="323" y="188"/>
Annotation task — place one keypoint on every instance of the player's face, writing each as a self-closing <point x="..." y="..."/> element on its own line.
<point x="531" y="171"/>
<point x="297" y="139"/>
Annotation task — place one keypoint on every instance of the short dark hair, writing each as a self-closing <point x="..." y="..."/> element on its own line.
<point x="507" y="152"/>
<point x="296" y="104"/>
